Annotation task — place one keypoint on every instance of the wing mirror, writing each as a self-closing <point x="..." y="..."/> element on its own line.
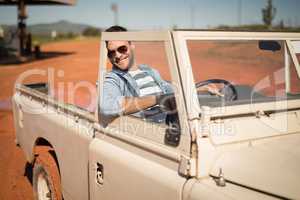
<point x="173" y="132"/>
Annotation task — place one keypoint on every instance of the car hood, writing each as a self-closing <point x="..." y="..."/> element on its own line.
<point x="269" y="165"/>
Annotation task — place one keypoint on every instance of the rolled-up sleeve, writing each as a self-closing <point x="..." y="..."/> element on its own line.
<point x="111" y="98"/>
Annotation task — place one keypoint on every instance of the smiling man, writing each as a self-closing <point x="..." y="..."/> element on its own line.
<point x="129" y="88"/>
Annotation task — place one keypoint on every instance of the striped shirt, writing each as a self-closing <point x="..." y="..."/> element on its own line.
<point x="145" y="82"/>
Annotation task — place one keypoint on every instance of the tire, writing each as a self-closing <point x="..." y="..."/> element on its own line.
<point x="46" y="177"/>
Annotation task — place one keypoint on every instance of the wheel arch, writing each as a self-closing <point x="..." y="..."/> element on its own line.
<point x="41" y="144"/>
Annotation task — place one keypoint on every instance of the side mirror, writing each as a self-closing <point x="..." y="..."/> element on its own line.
<point x="173" y="132"/>
<point x="172" y="137"/>
<point x="269" y="45"/>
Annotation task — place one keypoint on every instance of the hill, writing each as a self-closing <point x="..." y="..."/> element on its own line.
<point x="62" y="27"/>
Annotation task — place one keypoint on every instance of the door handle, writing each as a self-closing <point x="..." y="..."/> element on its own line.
<point x="99" y="174"/>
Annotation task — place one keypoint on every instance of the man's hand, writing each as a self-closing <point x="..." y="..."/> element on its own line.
<point x="166" y="102"/>
<point x="211" y="88"/>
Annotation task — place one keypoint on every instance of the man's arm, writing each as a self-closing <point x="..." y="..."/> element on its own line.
<point x="134" y="104"/>
<point x="113" y="103"/>
<point x="110" y="98"/>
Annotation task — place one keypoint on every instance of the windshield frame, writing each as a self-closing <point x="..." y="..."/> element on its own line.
<point x="147" y="36"/>
<point x="291" y="47"/>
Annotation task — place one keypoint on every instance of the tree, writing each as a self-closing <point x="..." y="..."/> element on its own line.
<point x="268" y="14"/>
<point x="70" y="35"/>
<point x="91" y="31"/>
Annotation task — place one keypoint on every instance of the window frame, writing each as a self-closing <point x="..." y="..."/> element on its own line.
<point x="194" y="108"/>
<point x="148" y="36"/>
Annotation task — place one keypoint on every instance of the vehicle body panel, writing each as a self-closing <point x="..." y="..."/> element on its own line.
<point x="270" y="165"/>
<point x="61" y="131"/>
<point x="207" y="189"/>
<point x="136" y="173"/>
<point x="256" y="144"/>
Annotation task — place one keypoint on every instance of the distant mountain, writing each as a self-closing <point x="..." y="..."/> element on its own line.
<point x="62" y="26"/>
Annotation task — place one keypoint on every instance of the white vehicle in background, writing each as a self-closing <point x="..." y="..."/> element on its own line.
<point x="245" y="145"/>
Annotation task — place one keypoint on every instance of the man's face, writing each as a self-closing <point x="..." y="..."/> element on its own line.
<point x="120" y="54"/>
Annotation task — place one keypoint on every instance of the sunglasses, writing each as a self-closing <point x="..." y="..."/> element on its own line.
<point x="121" y="49"/>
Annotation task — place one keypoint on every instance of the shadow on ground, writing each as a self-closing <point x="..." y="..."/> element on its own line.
<point x="15" y="60"/>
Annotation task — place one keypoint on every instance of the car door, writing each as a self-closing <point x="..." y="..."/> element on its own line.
<point x="132" y="158"/>
<point x="125" y="165"/>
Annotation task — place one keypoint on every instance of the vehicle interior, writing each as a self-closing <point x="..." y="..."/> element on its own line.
<point x="261" y="56"/>
<point x="236" y="94"/>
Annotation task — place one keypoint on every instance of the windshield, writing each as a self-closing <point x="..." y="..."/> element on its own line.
<point x="242" y="70"/>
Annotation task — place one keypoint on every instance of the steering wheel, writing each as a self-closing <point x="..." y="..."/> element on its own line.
<point x="229" y="91"/>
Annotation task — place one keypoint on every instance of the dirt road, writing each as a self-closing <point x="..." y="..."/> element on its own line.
<point x="79" y="61"/>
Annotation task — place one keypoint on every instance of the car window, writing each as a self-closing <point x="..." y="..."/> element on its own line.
<point x="151" y="77"/>
<point x="295" y="80"/>
<point x="153" y="55"/>
<point x="254" y="68"/>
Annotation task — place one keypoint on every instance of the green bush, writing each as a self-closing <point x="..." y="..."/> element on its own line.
<point x="91" y="31"/>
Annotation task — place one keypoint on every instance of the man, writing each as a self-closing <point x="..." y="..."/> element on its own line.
<point x="131" y="88"/>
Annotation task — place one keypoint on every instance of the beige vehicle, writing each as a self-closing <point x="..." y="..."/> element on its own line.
<point x="244" y="145"/>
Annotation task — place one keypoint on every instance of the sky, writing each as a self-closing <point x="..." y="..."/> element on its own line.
<point x="159" y="14"/>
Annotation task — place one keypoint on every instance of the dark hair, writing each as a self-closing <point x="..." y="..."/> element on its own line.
<point x="115" y="28"/>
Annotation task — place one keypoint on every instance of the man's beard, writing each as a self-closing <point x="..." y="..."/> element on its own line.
<point x="131" y="60"/>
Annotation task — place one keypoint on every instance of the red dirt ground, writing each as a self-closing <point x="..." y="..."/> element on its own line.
<point x="78" y="69"/>
<point x="81" y="65"/>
